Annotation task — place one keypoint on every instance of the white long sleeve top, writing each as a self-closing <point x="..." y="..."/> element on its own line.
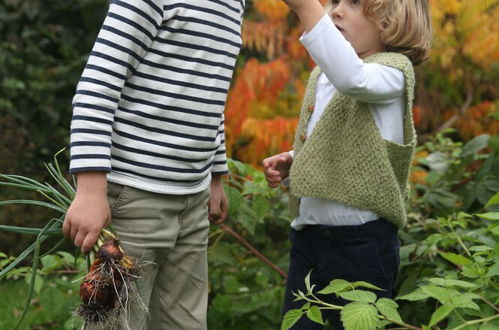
<point x="382" y="87"/>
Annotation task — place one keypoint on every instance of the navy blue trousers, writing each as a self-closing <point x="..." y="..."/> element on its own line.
<point x="368" y="252"/>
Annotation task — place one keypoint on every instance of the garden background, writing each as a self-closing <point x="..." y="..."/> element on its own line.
<point x="43" y="48"/>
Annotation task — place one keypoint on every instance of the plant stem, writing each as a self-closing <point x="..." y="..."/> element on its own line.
<point x="405" y="325"/>
<point x="324" y="303"/>
<point x="250" y="247"/>
<point x="219" y="237"/>
<point x="460" y="316"/>
<point x="460" y="241"/>
<point x="490" y="304"/>
<point x="483" y="320"/>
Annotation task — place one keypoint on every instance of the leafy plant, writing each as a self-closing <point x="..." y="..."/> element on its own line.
<point x="245" y="290"/>
<point x="466" y="294"/>
<point x="57" y="281"/>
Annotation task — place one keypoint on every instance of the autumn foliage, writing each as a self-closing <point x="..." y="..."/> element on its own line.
<point x="457" y="87"/>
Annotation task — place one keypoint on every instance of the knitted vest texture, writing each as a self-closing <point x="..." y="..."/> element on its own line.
<point x="345" y="159"/>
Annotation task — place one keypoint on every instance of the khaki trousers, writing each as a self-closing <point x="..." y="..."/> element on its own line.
<point x="170" y="232"/>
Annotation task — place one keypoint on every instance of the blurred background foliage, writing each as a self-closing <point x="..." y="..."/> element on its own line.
<point x="44" y="46"/>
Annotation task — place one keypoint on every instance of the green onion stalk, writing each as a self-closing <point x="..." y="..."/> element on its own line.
<point x="108" y="291"/>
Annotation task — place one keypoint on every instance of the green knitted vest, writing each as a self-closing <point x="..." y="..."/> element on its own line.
<point x="345" y="159"/>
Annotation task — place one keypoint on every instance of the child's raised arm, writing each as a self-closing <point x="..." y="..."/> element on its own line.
<point x="338" y="49"/>
<point x="309" y="11"/>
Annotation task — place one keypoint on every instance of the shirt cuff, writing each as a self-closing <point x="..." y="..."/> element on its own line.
<point x="307" y="38"/>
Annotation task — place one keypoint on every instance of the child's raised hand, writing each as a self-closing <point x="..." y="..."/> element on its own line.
<point x="276" y="168"/>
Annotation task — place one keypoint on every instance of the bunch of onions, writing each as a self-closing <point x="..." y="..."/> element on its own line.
<point x="109" y="289"/>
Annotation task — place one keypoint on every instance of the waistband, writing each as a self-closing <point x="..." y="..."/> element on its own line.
<point x="370" y="228"/>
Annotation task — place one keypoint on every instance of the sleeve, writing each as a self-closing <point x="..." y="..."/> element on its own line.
<point x="127" y="33"/>
<point x="220" y="160"/>
<point x="368" y="82"/>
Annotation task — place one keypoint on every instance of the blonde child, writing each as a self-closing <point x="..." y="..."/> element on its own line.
<point x="354" y="143"/>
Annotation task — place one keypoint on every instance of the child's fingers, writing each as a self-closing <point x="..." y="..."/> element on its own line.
<point x="284" y="157"/>
<point x="271" y="172"/>
<point x="73" y="232"/>
<point x="80" y="237"/>
<point x="273" y="185"/>
<point x="89" y="242"/>
<point x="273" y="181"/>
<point x="66" y="227"/>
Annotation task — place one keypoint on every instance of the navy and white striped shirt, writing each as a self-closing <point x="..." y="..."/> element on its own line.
<point x="149" y="106"/>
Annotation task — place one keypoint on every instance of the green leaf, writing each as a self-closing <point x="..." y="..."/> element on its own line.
<point x="38" y="282"/>
<point x="494" y="143"/>
<point x="359" y="316"/>
<point x="261" y="206"/>
<point x="415" y="295"/>
<point x="314" y="314"/>
<point x="52" y="297"/>
<point x="438" y="162"/>
<point x="68" y="258"/>
<point x="388" y="308"/>
<point x="234" y="197"/>
<point x="33" y="202"/>
<point x="30" y="231"/>
<point x="335" y="286"/>
<point x="489" y="216"/>
<point x="247" y="218"/>
<point x="486" y="189"/>
<point x="238" y="167"/>
<point x="366" y="285"/>
<point x="290" y="318"/>
<point x="475" y="145"/>
<point x="297" y="297"/>
<point x="49" y="263"/>
<point x="493" y="200"/>
<point x="439" y="314"/>
<point x="307" y="280"/>
<point x="466" y="301"/>
<point x="451" y="283"/>
<point x="493" y="270"/>
<point x="433" y="239"/>
<point x="441" y="198"/>
<point x="489" y="326"/>
<point x="443" y="295"/>
<point x="359" y="295"/>
<point x="455" y="258"/>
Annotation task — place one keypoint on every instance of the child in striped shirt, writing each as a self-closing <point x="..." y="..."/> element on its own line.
<point x="147" y="145"/>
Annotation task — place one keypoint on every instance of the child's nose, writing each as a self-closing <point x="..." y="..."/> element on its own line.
<point x="337" y="11"/>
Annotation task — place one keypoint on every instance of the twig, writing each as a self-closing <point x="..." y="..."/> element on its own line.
<point x="456" y="116"/>
<point x="253" y="250"/>
<point x="462" y="110"/>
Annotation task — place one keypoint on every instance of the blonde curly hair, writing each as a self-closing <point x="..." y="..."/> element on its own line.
<point x="405" y="26"/>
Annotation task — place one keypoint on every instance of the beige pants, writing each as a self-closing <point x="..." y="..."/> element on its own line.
<point x="170" y="232"/>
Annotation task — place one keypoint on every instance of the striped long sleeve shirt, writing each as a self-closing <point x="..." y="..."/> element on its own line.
<point x="148" y="109"/>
